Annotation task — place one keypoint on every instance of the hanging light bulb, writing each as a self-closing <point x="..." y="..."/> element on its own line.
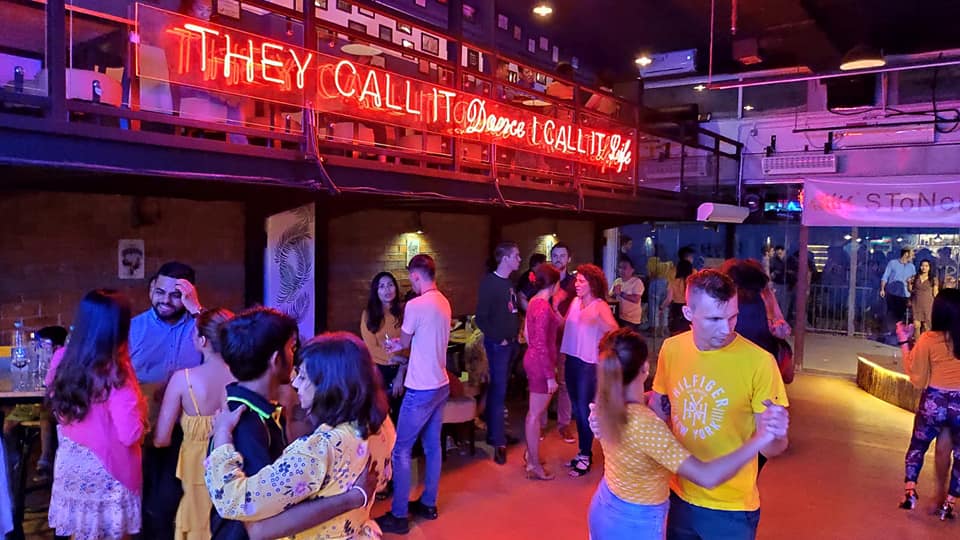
<point x="543" y="9"/>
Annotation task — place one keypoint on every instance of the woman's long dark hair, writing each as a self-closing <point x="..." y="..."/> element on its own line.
<point x="375" y="313"/>
<point x="748" y="275"/>
<point x="347" y="386"/>
<point x="946" y="317"/>
<point x="96" y="361"/>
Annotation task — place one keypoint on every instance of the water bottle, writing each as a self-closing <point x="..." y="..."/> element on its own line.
<point x="19" y="360"/>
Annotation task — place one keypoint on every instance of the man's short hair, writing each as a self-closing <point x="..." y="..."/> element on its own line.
<point x="625" y="239"/>
<point x="779" y="248"/>
<point x="249" y="340"/>
<point x="503" y="249"/>
<point x="561" y="245"/>
<point x="906" y="250"/>
<point x="537" y="258"/>
<point x="424" y="264"/>
<point x="176" y="270"/>
<point x="57" y="335"/>
<point x="713" y="283"/>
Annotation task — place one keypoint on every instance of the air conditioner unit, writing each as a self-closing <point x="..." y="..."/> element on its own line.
<point x="693" y="167"/>
<point x="670" y="63"/>
<point x="883" y="136"/>
<point x="800" y="164"/>
<point x="722" y="213"/>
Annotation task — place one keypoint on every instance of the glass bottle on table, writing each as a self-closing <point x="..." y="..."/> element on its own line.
<point x="19" y="360"/>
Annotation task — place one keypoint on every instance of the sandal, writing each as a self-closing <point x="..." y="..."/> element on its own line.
<point x="580" y="466"/>
<point x="534" y="473"/>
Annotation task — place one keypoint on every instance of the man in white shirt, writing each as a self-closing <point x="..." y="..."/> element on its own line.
<point x="627" y="290"/>
<point x="426" y="332"/>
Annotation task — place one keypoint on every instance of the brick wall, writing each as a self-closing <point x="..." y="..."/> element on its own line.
<point x="364" y="243"/>
<point x="536" y="236"/>
<point x="54" y="247"/>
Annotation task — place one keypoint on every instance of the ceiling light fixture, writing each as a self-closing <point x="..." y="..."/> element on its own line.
<point x="862" y="57"/>
<point x="700" y="88"/>
<point x="748" y="107"/>
<point x="643" y="60"/>
<point x="543" y="9"/>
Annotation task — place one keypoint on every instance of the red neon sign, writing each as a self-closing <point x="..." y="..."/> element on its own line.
<point x="185" y="51"/>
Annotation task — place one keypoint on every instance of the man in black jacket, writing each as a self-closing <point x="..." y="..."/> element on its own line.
<point x="258" y="346"/>
<point x="498" y="318"/>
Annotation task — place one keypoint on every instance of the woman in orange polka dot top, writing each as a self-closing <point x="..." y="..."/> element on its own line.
<point x="640" y="452"/>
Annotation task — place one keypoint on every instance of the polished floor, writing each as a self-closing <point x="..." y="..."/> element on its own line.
<point x="841" y="478"/>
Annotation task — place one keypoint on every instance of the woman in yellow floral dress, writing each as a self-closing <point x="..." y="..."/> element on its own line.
<point x="337" y="383"/>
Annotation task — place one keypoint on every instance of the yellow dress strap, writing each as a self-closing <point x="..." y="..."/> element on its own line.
<point x="193" y="398"/>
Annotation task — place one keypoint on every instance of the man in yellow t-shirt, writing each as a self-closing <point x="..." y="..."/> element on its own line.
<point x="710" y="386"/>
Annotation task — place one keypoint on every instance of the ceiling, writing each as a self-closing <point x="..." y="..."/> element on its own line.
<point x="608" y="34"/>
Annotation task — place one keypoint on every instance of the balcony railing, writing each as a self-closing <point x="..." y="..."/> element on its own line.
<point x="103" y="77"/>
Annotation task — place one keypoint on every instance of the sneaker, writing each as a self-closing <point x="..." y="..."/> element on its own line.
<point x="909" y="499"/>
<point x="568" y="434"/>
<point x="419" y="509"/>
<point x="390" y="523"/>
<point x="500" y="455"/>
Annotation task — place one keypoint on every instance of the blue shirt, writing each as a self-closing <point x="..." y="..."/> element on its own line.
<point x="896" y="276"/>
<point x="157" y="348"/>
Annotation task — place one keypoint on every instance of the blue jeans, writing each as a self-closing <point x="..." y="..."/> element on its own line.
<point x="421" y="415"/>
<point x="582" y="386"/>
<point x="498" y="357"/>
<point x="612" y="518"/>
<point x="690" y="522"/>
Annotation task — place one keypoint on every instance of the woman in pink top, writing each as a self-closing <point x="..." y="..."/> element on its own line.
<point x="588" y="319"/>
<point x="95" y="397"/>
<point x="540" y="362"/>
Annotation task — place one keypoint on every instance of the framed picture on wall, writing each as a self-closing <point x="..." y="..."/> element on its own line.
<point x="532" y="45"/>
<point x="385" y="33"/>
<point x="320" y="4"/>
<point x="357" y="27"/>
<point x="421" y="3"/>
<point x="365" y="12"/>
<point x="473" y="59"/>
<point x="544" y="44"/>
<point x="407" y="44"/>
<point x="503" y="22"/>
<point x="344" y="6"/>
<point x="404" y="28"/>
<point x="430" y="44"/>
<point x="516" y="32"/>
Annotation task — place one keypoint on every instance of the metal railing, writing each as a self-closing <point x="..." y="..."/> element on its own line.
<point x="828" y="310"/>
<point x="114" y="108"/>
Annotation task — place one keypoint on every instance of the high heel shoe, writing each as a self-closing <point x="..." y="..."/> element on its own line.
<point x="526" y="459"/>
<point x="534" y="473"/>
